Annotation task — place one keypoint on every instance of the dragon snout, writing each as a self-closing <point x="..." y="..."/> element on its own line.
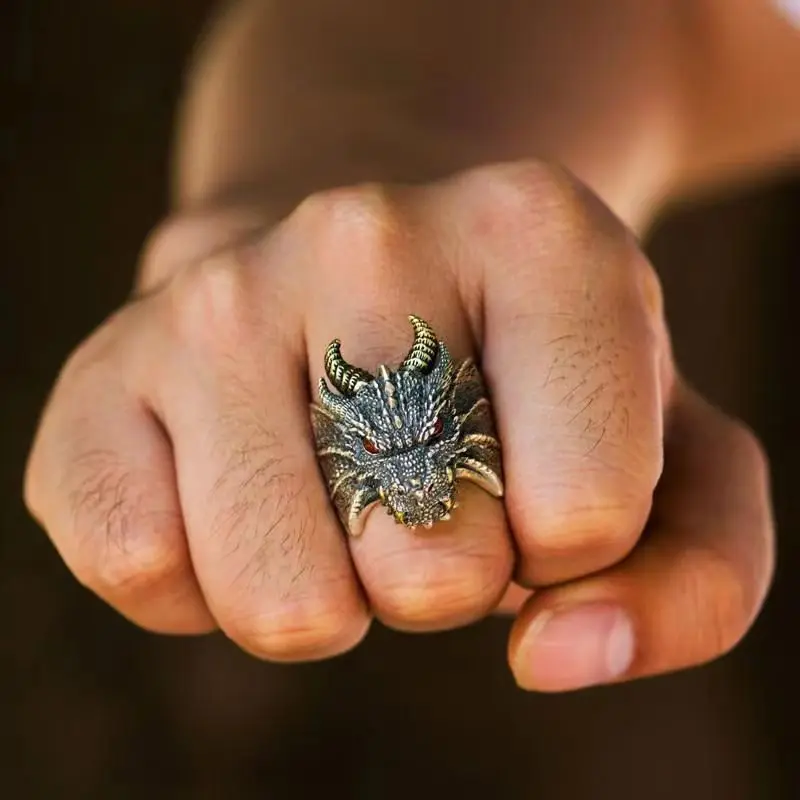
<point x="420" y="501"/>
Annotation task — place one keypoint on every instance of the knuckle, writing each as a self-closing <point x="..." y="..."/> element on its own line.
<point x="94" y="361"/>
<point x="538" y="208"/>
<point x="361" y="221"/>
<point x="455" y="588"/>
<point x="140" y="567"/>
<point x="120" y="545"/>
<point x="85" y="359"/>
<point x="276" y="599"/>
<point x="528" y="191"/>
<point x="302" y="629"/>
<point x="212" y="305"/>
<point x="568" y="542"/>
<point x="182" y="239"/>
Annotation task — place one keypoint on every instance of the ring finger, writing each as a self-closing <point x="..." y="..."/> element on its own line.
<point x="415" y="578"/>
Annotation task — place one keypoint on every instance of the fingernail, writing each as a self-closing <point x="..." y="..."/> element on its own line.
<point x="575" y="648"/>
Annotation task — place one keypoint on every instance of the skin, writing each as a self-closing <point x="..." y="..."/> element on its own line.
<point x="335" y="172"/>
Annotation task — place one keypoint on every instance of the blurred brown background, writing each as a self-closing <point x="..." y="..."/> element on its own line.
<point x="92" y="708"/>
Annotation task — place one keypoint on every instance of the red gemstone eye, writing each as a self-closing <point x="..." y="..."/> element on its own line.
<point x="370" y="446"/>
<point x="438" y="427"/>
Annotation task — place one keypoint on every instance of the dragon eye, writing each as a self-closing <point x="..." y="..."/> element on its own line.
<point x="370" y="446"/>
<point x="438" y="427"/>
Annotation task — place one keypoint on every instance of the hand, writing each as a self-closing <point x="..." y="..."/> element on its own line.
<point x="175" y="471"/>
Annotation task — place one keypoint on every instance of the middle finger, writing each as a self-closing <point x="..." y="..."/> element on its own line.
<point x="265" y="546"/>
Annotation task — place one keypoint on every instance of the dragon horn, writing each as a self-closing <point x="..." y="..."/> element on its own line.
<point x="423" y="352"/>
<point x="345" y="377"/>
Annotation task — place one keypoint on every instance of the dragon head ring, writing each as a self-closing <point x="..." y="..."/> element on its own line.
<point x="405" y="437"/>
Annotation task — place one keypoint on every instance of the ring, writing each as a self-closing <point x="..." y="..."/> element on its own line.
<point x="406" y="437"/>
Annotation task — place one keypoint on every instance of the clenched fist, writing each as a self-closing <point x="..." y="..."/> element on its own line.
<point x="175" y="468"/>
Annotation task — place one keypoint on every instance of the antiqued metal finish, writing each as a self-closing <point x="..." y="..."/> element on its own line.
<point x="405" y="437"/>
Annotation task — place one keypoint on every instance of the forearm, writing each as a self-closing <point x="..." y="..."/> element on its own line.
<point x="741" y="62"/>
<point x="640" y="100"/>
<point x="291" y="96"/>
